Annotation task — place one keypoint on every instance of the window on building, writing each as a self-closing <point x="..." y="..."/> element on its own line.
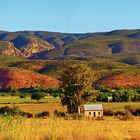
<point x="99" y="113"/>
<point x="89" y="113"/>
<point x="94" y="114"/>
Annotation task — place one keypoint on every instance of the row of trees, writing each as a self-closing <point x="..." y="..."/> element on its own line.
<point x="119" y="96"/>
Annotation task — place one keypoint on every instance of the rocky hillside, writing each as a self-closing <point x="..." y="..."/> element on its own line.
<point x="19" y="78"/>
<point x="7" y="48"/>
<point x="25" y="45"/>
<point x="127" y="81"/>
<point x="54" y="45"/>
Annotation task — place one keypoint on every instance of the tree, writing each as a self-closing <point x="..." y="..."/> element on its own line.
<point x="37" y="96"/>
<point x="102" y="97"/>
<point x="123" y="95"/>
<point x="11" y="89"/>
<point x="77" y="83"/>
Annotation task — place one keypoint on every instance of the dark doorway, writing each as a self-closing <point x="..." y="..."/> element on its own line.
<point x="94" y="114"/>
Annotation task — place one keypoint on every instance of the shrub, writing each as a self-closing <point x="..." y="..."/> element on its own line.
<point x="26" y="114"/>
<point x="14" y="94"/>
<point x="59" y="114"/>
<point x="43" y="114"/>
<point x="9" y="111"/>
<point x="128" y="116"/>
<point x="108" y="113"/>
<point x="11" y="89"/>
<point x="6" y="111"/>
<point x="37" y="96"/>
<point x="129" y="108"/>
<point x="119" y="113"/>
<point x="55" y="95"/>
<point x="22" y="96"/>
<point x="3" y="94"/>
<point x="136" y="112"/>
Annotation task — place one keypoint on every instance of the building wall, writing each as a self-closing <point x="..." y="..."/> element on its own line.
<point x="94" y="113"/>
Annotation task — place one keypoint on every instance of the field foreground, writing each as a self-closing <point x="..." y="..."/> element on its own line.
<point x="60" y="129"/>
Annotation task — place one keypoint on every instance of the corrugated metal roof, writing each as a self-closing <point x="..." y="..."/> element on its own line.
<point x="93" y="107"/>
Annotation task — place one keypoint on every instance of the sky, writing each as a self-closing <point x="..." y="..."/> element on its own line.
<point x="71" y="16"/>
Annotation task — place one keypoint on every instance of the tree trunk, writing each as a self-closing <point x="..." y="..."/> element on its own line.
<point x="79" y="110"/>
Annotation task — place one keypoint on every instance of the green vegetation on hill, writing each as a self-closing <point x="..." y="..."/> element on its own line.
<point x="8" y="60"/>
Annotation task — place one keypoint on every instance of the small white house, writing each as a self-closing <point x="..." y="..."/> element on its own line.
<point x="93" y="110"/>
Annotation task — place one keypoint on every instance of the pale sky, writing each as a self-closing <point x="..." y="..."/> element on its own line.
<point x="77" y="16"/>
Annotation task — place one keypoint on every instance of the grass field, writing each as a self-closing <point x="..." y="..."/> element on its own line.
<point x="39" y="107"/>
<point x="50" y="104"/>
<point x="18" y="100"/>
<point x="59" y="129"/>
<point x="55" y="128"/>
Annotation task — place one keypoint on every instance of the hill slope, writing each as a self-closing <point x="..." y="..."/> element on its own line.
<point x="131" y="81"/>
<point x="19" y="78"/>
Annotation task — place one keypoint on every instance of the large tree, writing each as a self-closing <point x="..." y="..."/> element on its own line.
<point x="77" y="82"/>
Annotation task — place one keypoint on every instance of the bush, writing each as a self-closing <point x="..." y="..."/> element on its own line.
<point x="14" y="94"/>
<point x="113" y="113"/>
<point x="136" y="112"/>
<point x="9" y="111"/>
<point x="11" y="89"/>
<point x="43" y="114"/>
<point x="6" y="111"/>
<point x="129" y="108"/>
<point x="128" y="113"/>
<point x="26" y="114"/>
<point x="3" y="94"/>
<point x="22" y="96"/>
<point x="59" y="114"/>
<point x="37" y="96"/>
<point x="128" y="116"/>
<point x="119" y="113"/>
<point x="55" y="95"/>
<point x="108" y="113"/>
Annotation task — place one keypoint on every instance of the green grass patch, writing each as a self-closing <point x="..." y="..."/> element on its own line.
<point x="18" y="100"/>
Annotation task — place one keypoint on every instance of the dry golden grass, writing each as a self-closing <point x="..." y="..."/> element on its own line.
<point x="59" y="129"/>
<point x="39" y="107"/>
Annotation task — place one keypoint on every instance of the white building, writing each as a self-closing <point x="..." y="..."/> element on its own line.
<point x="93" y="110"/>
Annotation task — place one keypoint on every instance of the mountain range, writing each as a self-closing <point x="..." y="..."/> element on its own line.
<point x="32" y="58"/>
<point x="54" y="45"/>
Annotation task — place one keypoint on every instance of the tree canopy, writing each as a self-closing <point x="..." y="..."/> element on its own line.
<point x="77" y="83"/>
